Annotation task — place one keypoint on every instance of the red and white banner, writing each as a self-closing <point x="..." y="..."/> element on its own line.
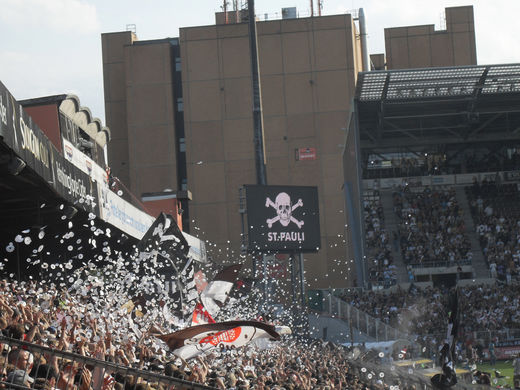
<point x="196" y="340"/>
<point x="201" y="316"/>
<point x="217" y="291"/>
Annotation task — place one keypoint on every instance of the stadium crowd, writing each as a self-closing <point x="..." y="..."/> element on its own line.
<point x="74" y="322"/>
<point x="421" y="311"/>
<point x="497" y="221"/>
<point x="379" y="252"/>
<point x="431" y="226"/>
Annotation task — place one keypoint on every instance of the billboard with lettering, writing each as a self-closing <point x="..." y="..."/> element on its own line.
<point x="73" y="184"/>
<point x="282" y="218"/>
<point x="23" y="136"/>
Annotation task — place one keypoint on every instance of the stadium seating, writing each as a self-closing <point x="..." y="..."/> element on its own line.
<point x="381" y="268"/>
<point x="431" y="228"/>
<point x="495" y="208"/>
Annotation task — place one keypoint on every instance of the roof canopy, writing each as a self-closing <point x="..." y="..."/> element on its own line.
<point x="438" y="82"/>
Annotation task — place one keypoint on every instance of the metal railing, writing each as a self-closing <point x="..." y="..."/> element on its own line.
<point x="363" y="322"/>
<point x="444" y="263"/>
<point x="103" y="375"/>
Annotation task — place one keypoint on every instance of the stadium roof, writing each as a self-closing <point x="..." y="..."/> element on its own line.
<point x="461" y="104"/>
<point x="438" y="82"/>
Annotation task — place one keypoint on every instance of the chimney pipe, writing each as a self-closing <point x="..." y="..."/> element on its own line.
<point x="364" y="45"/>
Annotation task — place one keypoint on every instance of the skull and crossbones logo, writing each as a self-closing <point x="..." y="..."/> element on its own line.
<point x="284" y="209"/>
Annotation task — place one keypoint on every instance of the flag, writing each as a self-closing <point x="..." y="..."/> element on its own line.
<point x="165" y="249"/>
<point x="201" y="316"/>
<point x="196" y="340"/>
<point x="217" y="291"/>
<point x="165" y="237"/>
<point x="448" y="377"/>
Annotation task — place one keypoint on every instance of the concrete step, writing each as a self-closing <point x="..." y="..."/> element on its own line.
<point x="391" y="226"/>
<point x="479" y="263"/>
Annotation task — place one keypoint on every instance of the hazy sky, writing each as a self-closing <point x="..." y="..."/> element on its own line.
<point x="54" y="46"/>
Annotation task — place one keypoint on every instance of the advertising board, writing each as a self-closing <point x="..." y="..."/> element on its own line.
<point x="283" y="218"/>
<point x="122" y="214"/>
<point x="84" y="162"/>
<point x="23" y="136"/>
<point x="73" y="184"/>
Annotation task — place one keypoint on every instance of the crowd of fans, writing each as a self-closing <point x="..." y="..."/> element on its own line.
<point x="496" y="214"/>
<point x="67" y="320"/>
<point x="431" y="226"/>
<point x="379" y="252"/>
<point x="422" y="311"/>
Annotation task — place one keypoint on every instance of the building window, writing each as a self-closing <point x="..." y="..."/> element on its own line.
<point x="177" y="64"/>
<point x="184" y="185"/>
<point x="182" y="145"/>
<point x="180" y="105"/>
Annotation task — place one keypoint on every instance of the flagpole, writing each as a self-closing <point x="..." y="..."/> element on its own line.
<point x="179" y="287"/>
<point x="302" y="280"/>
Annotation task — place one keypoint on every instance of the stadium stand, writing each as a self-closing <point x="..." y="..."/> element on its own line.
<point x="432" y="230"/>
<point x="382" y="270"/>
<point x="496" y="214"/>
<point x="485" y="311"/>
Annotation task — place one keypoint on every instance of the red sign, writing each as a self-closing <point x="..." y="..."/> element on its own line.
<point x="305" y="154"/>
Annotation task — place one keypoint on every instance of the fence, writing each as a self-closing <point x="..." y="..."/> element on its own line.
<point x="76" y="370"/>
<point x="361" y="321"/>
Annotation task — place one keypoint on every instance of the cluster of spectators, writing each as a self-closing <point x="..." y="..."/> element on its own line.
<point x="496" y="214"/>
<point x="431" y="226"/>
<point x="382" y="271"/>
<point x="73" y="322"/>
<point x="423" y="311"/>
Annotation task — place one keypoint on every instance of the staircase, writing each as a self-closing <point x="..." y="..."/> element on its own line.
<point x="391" y="226"/>
<point x="478" y="262"/>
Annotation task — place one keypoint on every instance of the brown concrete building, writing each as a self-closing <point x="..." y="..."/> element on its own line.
<point x="180" y="111"/>
<point x="308" y="68"/>
<point x="424" y="47"/>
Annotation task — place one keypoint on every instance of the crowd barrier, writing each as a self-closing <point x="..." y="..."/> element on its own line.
<point x="361" y="321"/>
<point x="104" y="374"/>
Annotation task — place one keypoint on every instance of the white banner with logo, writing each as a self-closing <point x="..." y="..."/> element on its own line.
<point x="84" y="163"/>
<point x="128" y="218"/>
<point x="124" y="216"/>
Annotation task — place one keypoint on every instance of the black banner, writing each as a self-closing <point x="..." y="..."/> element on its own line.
<point x="283" y="218"/>
<point x="23" y="136"/>
<point x="29" y="142"/>
<point x="73" y="184"/>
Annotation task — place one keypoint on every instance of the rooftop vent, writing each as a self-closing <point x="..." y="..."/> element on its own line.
<point x="289" y="13"/>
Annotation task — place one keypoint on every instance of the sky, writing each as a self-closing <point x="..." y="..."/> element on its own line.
<point x="52" y="47"/>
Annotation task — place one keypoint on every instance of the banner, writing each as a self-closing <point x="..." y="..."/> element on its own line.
<point x="193" y="341"/>
<point x="283" y="218"/>
<point x="23" y="136"/>
<point x="122" y="214"/>
<point x="84" y="163"/>
<point x="73" y="185"/>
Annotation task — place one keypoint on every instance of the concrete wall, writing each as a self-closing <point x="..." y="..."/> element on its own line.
<point x="115" y="101"/>
<point x="423" y="47"/>
<point x="308" y="69"/>
<point x="150" y="117"/>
